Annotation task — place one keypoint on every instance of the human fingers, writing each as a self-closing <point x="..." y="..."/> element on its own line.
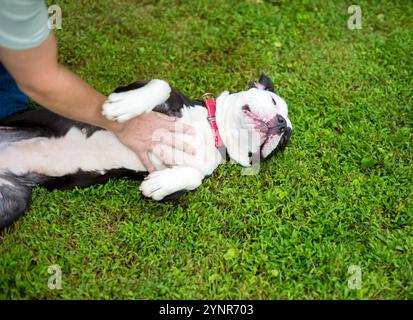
<point x="147" y="163"/>
<point x="177" y="143"/>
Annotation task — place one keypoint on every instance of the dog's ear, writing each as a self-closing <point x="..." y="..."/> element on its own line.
<point x="265" y="83"/>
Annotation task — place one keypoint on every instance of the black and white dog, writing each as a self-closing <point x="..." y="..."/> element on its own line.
<point x="40" y="148"/>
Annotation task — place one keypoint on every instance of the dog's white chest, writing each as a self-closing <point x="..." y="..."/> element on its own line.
<point x="207" y="156"/>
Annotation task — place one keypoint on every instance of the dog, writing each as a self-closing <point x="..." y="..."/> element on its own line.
<point x="40" y="148"/>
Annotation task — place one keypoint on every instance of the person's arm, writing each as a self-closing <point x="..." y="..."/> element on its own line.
<point x="39" y="75"/>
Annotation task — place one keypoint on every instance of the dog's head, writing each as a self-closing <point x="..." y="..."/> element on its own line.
<point x="253" y="122"/>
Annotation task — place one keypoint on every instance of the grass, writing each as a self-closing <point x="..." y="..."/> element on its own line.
<point x="341" y="193"/>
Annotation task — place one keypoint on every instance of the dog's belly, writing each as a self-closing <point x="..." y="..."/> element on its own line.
<point x="102" y="151"/>
<point x="207" y="156"/>
<point x="57" y="157"/>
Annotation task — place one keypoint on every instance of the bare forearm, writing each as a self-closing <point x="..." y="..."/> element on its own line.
<point x="70" y="96"/>
<point x="39" y="75"/>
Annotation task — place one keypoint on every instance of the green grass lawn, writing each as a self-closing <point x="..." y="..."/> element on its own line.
<point x="340" y="194"/>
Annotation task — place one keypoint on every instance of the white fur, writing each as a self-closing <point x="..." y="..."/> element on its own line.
<point x="61" y="156"/>
<point x="234" y="127"/>
<point x="164" y="182"/>
<point x="207" y="157"/>
<point x="124" y="106"/>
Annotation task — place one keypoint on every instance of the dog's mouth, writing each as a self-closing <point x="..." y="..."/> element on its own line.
<point x="272" y="131"/>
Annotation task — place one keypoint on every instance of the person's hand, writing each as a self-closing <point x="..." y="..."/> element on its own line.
<point x="138" y="135"/>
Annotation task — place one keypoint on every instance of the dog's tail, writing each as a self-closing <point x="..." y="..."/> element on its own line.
<point x="15" y="195"/>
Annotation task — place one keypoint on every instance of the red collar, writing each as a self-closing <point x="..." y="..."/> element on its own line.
<point x="210" y="105"/>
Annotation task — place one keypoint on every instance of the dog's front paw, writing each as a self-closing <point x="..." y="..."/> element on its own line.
<point x="124" y="106"/>
<point x="160" y="184"/>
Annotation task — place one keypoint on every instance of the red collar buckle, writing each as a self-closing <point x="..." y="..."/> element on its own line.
<point x="210" y="105"/>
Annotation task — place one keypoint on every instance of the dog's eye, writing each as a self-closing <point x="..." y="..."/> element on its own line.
<point x="274" y="102"/>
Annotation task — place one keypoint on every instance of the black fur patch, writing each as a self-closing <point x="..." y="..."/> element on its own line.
<point x="285" y="138"/>
<point x="82" y="179"/>
<point x="14" y="197"/>
<point x="44" y="123"/>
<point x="264" y="83"/>
<point x="12" y="134"/>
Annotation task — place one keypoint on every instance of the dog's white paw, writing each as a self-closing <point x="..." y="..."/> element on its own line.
<point x="162" y="183"/>
<point x="124" y="106"/>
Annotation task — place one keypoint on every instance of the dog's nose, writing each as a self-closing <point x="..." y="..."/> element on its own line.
<point x="281" y="123"/>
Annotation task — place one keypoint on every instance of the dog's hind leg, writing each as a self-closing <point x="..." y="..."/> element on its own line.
<point x="15" y="194"/>
<point x="15" y="191"/>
